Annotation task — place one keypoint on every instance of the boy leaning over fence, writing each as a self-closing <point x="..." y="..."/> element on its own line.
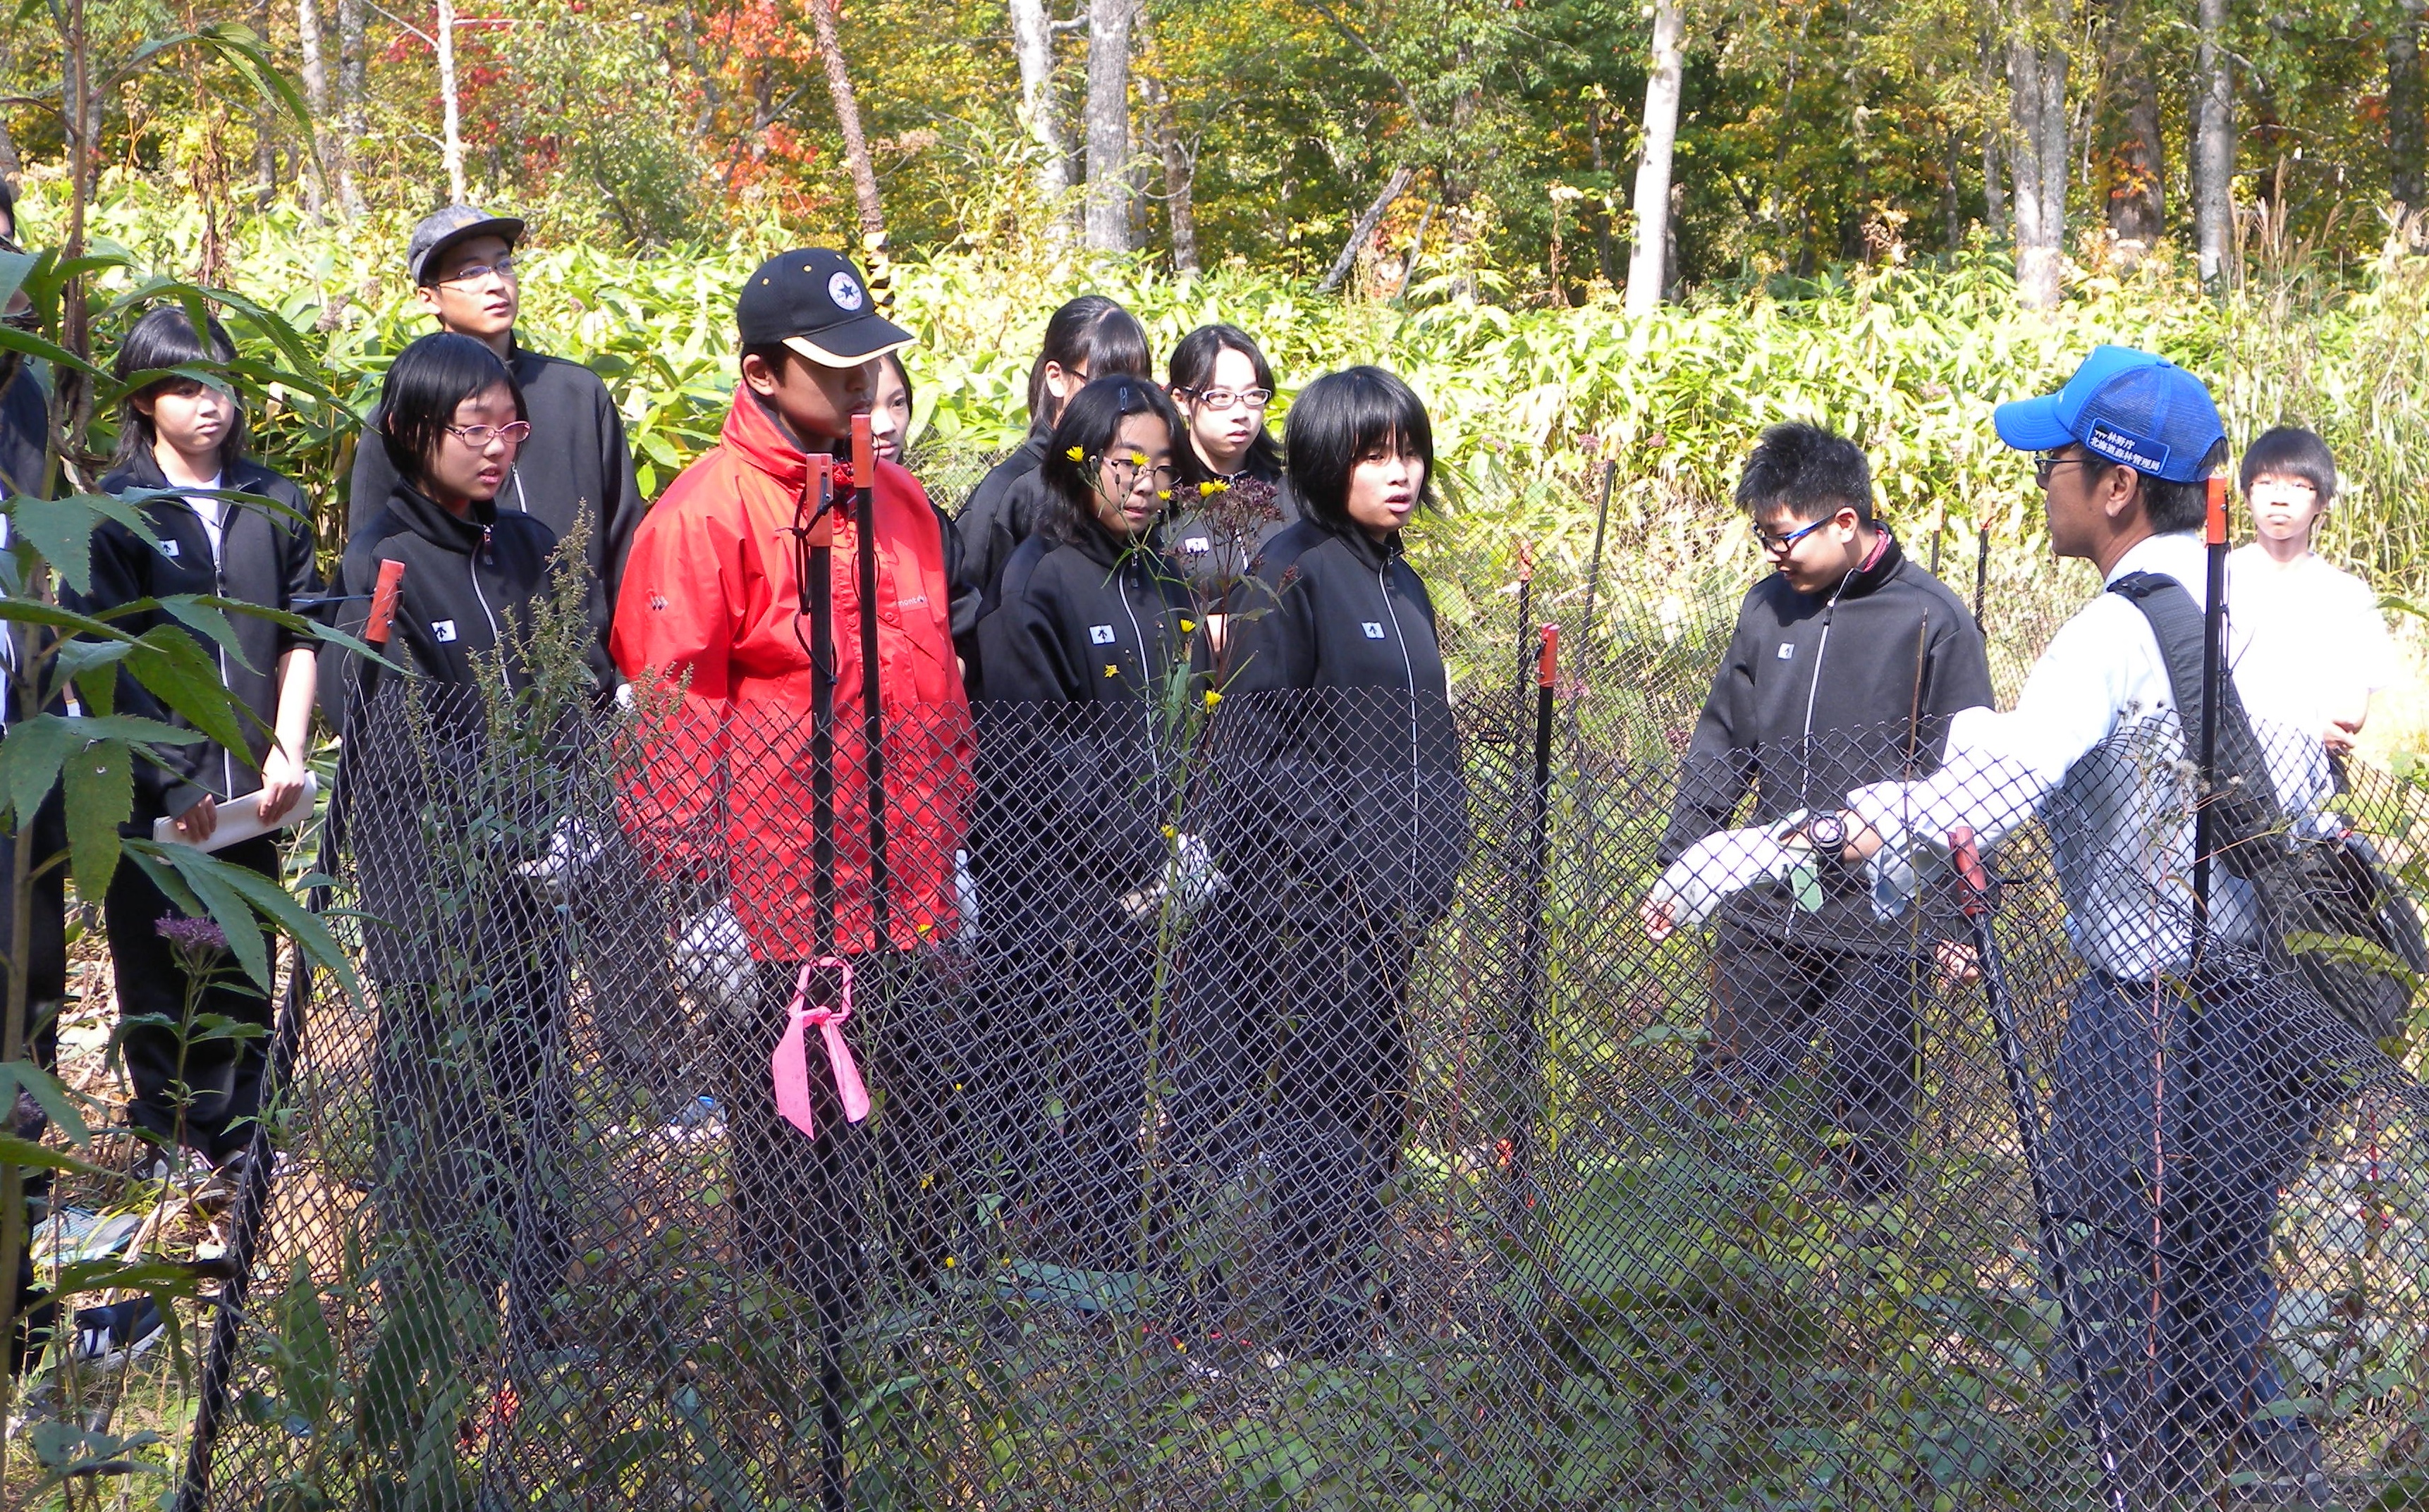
<point x="716" y="603"/>
<point x="1846" y="665"/>
<point x="2187" y="1080"/>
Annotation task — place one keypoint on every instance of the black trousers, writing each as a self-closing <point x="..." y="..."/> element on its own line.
<point x="1773" y="999"/>
<point x="1303" y="1020"/>
<point x="46" y="990"/>
<point x="191" y="1088"/>
<point x="473" y="1104"/>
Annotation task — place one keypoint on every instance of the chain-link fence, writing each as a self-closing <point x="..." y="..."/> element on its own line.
<point x="1289" y="1104"/>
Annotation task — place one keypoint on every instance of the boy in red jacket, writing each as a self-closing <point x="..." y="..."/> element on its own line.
<point x="711" y="600"/>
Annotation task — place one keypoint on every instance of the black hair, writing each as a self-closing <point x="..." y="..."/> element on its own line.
<point x="1343" y="417"/>
<point x="165" y="337"/>
<point x="1091" y="423"/>
<point x="2290" y="451"/>
<point x="2181" y="507"/>
<point x="1090" y="332"/>
<point x="1191" y="368"/>
<point x="903" y="374"/>
<point x="8" y="205"/>
<point x="425" y="383"/>
<point x="1811" y="472"/>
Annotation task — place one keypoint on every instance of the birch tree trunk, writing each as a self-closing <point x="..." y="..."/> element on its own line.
<point x="316" y="96"/>
<point x="1106" y="224"/>
<point x="450" y="140"/>
<point x="2138" y="205"/>
<point x="2213" y="146"/>
<point x="1179" y="176"/>
<point x="1647" y="258"/>
<point x="2406" y="153"/>
<point x="2037" y="96"/>
<point x="1033" y="47"/>
<point x="1368" y="221"/>
<point x="351" y="102"/>
<point x="846" y="109"/>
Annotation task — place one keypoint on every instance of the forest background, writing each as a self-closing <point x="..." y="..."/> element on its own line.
<point x="1592" y="233"/>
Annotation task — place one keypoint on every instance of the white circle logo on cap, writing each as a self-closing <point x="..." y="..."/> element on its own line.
<point x="845" y="291"/>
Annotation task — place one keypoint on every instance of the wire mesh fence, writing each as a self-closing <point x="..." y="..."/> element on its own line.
<point x="1287" y="1105"/>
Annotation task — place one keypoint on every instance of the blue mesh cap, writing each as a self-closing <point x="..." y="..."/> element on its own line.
<point x="2126" y="405"/>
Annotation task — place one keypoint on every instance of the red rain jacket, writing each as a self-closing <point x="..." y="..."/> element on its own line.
<point x="709" y="593"/>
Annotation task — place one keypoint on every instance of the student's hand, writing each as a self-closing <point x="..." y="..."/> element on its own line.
<point x="2339" y="736"/>
<point x="1656" y="915"/>
<point x="282" y="784"/>
<point x="1958" y="965"/>
<point x="195" y="824"/>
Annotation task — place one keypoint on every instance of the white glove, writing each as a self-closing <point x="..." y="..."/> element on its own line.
<point x="713" y="959"/>
<point x="966" y="898"/>
<point x="1189" y="878"/>
<point x="1720" y="864"/>
<point x="569" y="850"/>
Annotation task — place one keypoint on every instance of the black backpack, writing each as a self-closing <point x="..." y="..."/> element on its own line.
<point x="2328" y="910"/>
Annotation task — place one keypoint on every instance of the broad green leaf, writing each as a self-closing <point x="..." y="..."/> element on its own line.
<point x="29" y="760"/>
<point x="14" y="266"/>
<point x="196" y="613"/>
<point x="159" y="1278"/>
<point x="305" y="927"/>
<point x="34" y="612"/>
<point x="173" y="666"/>
<point x="100" y="790"/>
<point x="45" y="1089"/>
<point x="18" y="1150"/>
<point x="62" y="529"/>
<point x="213" y="882"/>
<point x="13" y="339"/>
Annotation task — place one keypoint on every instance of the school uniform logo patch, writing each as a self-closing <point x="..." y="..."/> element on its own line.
<point x="1788" y="650"/>
<point x="1196" y="543"/>
<point x="169" y="550"/>
<point x="1373" y="628"/>
<point x="1100" y="635"/>
<point x="442" y="631"/>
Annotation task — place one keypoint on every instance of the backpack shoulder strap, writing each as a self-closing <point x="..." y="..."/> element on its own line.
<point x="2243" y="767"/>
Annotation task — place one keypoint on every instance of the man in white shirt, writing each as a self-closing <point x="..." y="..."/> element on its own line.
<point x="2167" y="1146"/>
<point x="2311" y="645"/>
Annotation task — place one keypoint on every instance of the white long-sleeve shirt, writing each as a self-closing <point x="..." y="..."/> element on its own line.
<point x="2092" y="746"/>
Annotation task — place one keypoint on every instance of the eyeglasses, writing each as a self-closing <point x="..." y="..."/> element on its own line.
<point x="1777" y="545"/>
<point x="2047" y="463"/>
<point x="479" y="436"/>
<point x="1126" y="471"/>
<point x="474" y="273"/>
<point x="1220" y="399"/>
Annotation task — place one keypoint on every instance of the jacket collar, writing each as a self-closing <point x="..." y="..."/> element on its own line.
<point x="143" y="471"/>
<point x="1105" y="548"/>
<point x="424" y="516"/>
<point x="756" y="437"/>
<point x="1872" y="574"/>
<point x="1366" y="548"/>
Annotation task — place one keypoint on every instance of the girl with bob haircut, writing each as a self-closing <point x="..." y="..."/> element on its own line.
<point x="1093" y="629"/>
<point x="231" y="527"/>
<point x="1233" y="496"/>
<point x="471" y="980"/>
<point x="1087" y="339"/>
<point x="1346" y="853"/>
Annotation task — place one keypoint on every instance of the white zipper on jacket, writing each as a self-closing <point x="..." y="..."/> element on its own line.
<point x="218" y="588"/>
<point x="1408" y="672"/>
<point x="1146" y="705"/>
<point x="1813" y="689"/>
<point x="472" y="570"/>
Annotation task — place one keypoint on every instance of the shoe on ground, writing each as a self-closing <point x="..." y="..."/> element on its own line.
<point x="106" y="1336"/>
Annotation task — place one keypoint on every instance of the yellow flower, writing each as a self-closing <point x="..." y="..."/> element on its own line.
<point x="1138" y="459"/>
<point x="1212" y="487"/>
<point x="1165" y="494"/>
<point x="1077" y="455"/>
<point x="1169" y="832"/>
<point x="1212" y="697"/>
<point x="1188" y="625"/>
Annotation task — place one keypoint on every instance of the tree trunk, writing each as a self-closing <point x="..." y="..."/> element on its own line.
<point x="1179" y="178"/>
<point x="1106" y="225"/>
<point x="1952" y="210"/>
<point x="316" y="96"/>
<point x="2037" y="94"/>
<point x="2404" y="149"/>
<point x="1662" y="85"/>
<point x="1033" y="47"/>
<point x="2213" y="146"/>
<point x="1994" y="187"/>
<point x="351" y="102"/>
<point x="2138" y="207"/>
<point x="1373" y="217"/>
<point x="450" y="116"/>
<point x="846" y="109"/>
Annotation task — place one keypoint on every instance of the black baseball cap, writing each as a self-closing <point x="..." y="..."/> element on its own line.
<point x="813" y="301"/>
<point x="437" y="233"/>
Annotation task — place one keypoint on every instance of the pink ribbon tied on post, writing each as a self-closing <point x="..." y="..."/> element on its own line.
<point x="791" y="1065"/>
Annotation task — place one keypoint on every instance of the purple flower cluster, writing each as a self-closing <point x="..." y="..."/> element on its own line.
<point x="190" y="935"/>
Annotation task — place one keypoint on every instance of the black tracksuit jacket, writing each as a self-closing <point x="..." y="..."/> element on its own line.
<point x="576" y="465"/>
<point x="1363" y="787"/>
<point x="1081" y="656"/>
<point x="265" y="558"/>
<point x="1006" y="509"/>
<point x="1817" y="695"/>
<point x="465" y="580"/>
